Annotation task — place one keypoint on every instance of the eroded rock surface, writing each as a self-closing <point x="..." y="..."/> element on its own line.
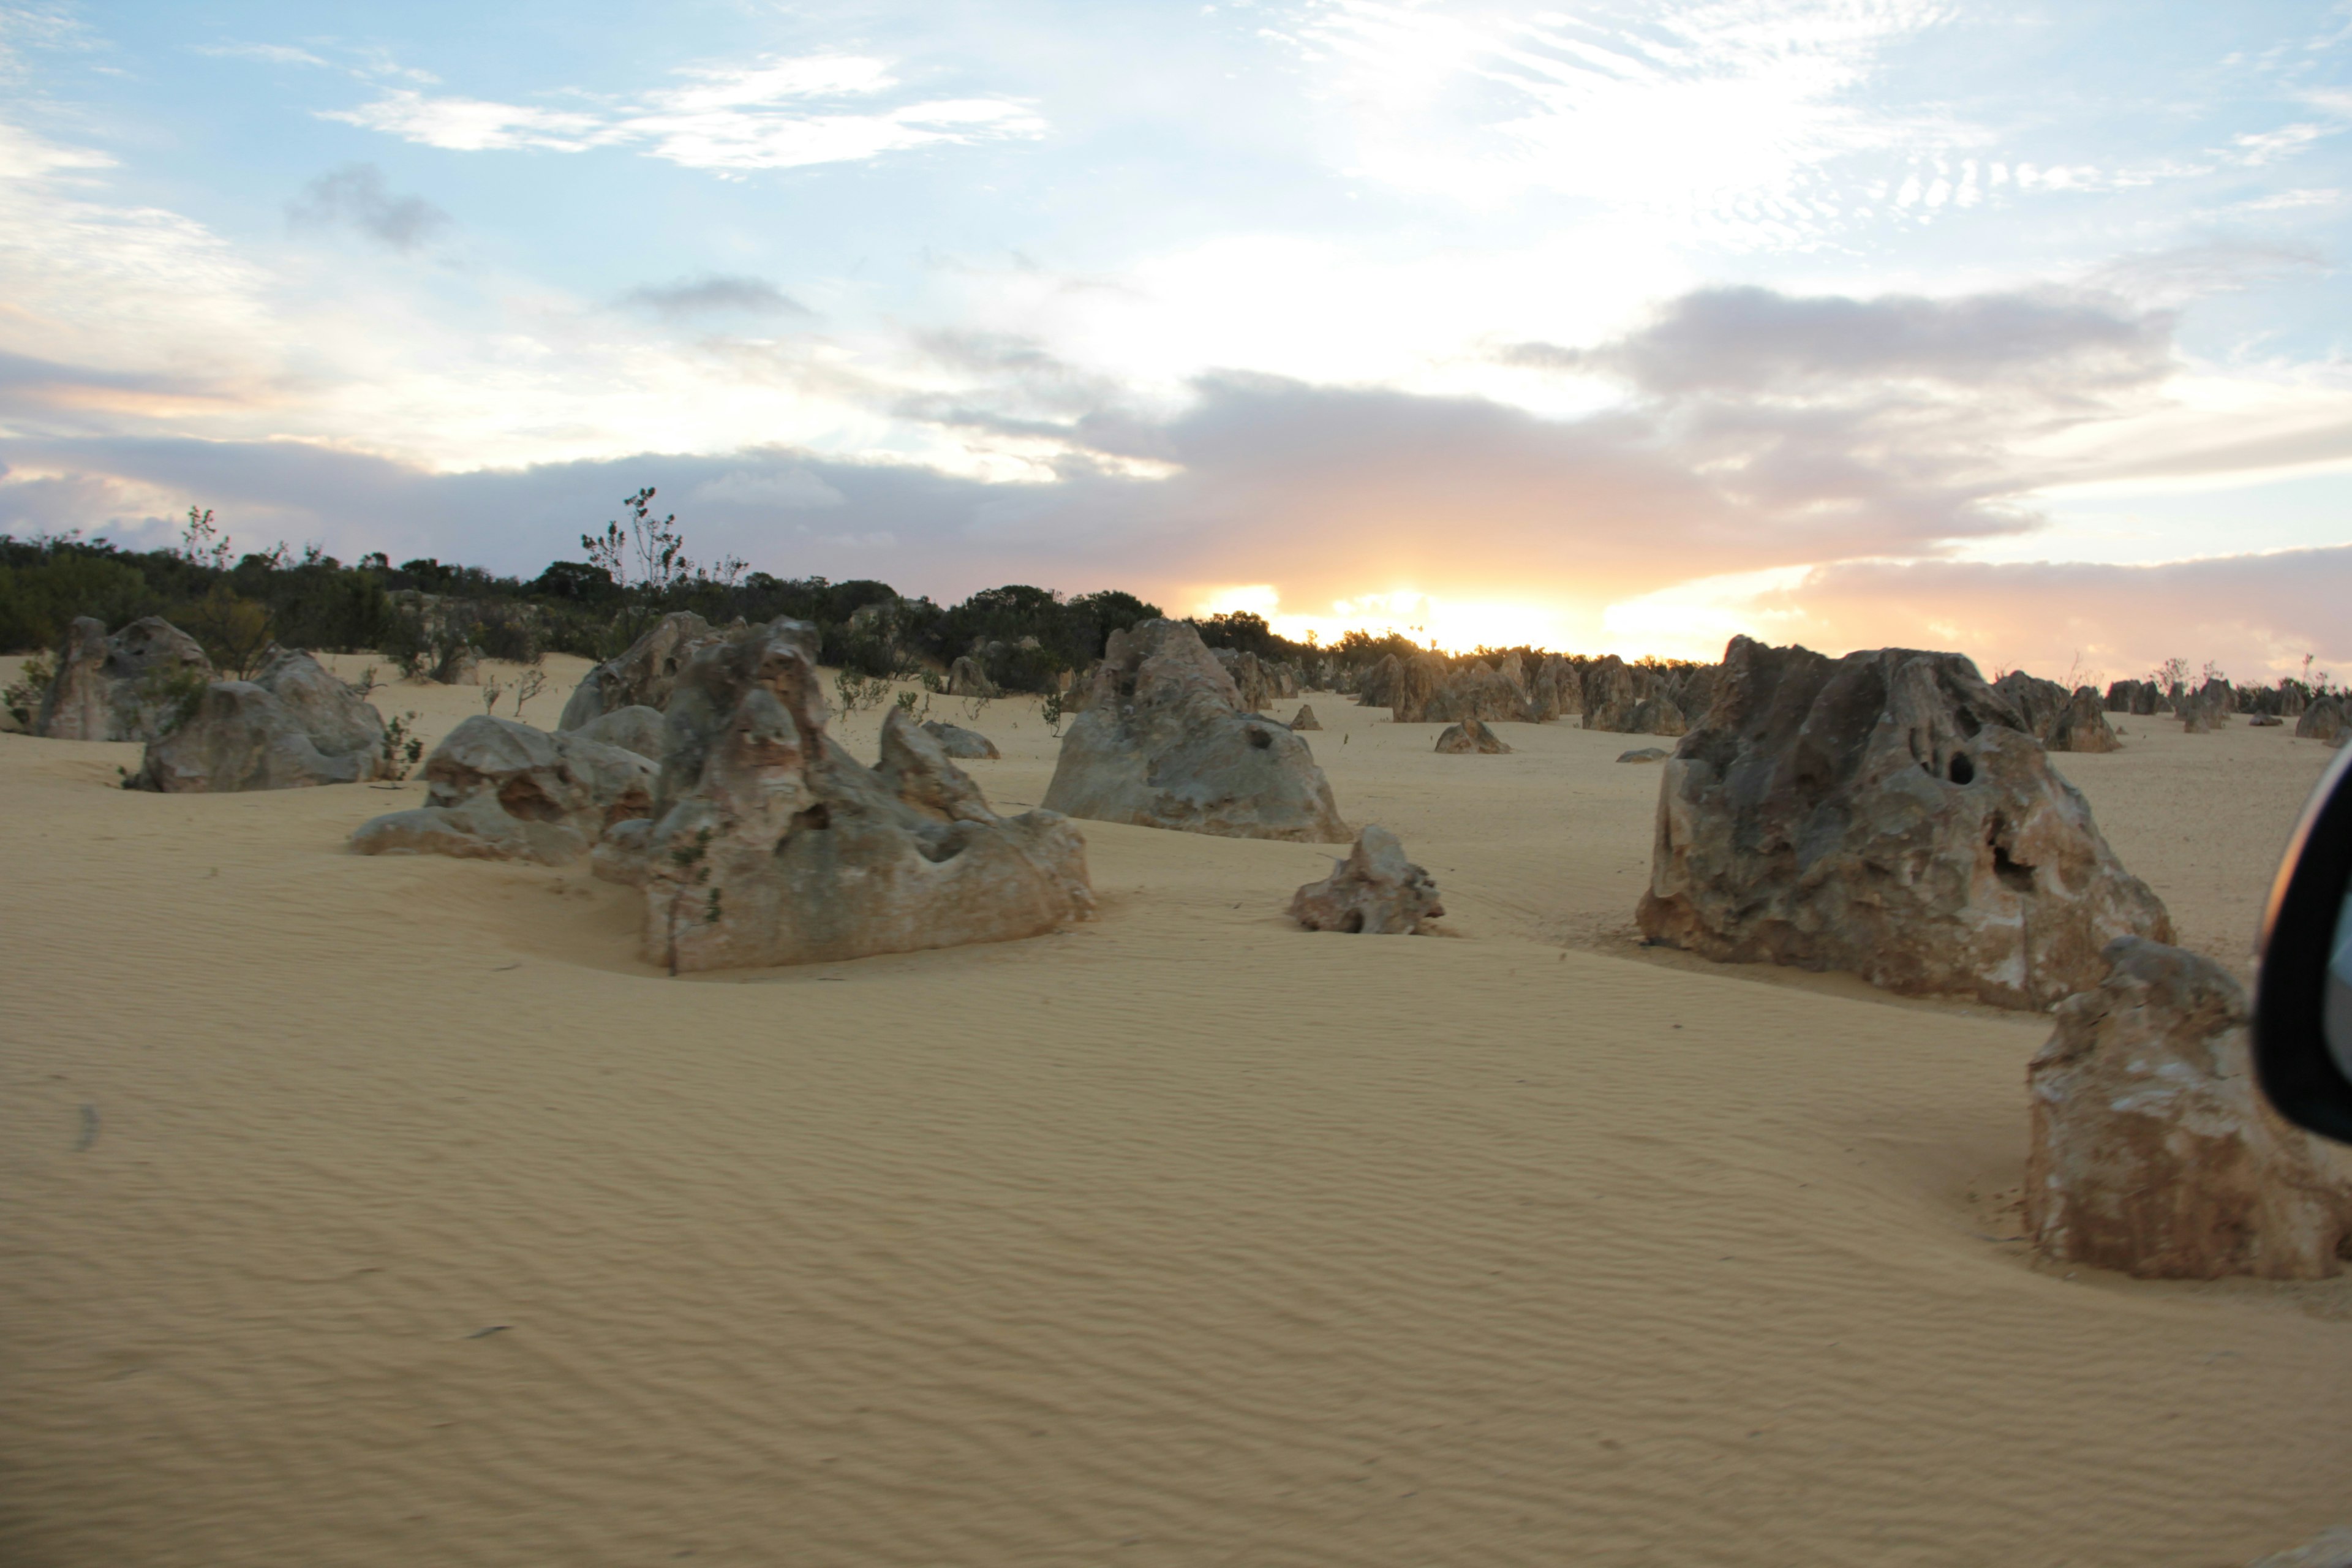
<point x="1164" y="743"/>
<point x="128" y="687"/>
<point x="2151" y="1151"/>
<point x="641" y="678"/>
<point x="1630" y="699"/>
<point x="1375" y="890"/>
<point x="967" y="677"/>
<point x="770" y="845"/>
<point x="293" y="725"/>
<point x="635" y="727"/>
<point x="2323" y="720"/>
<point x="496" y="789"/>
<point x="2081" y="726"/>
<point x="1884" y="813"/>
<point x="1305" y="718"/>
<point x="1471" y="737"/>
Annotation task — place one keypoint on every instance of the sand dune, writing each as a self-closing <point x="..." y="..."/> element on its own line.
<point x="392" y="1211"/>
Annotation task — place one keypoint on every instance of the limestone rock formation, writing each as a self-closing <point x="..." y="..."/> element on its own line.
<point x="1375" y="890"/>
<point x="1305" y="718"/>
<point x="1630" y="699"/>
<point x="1471" y="736"/>
<point x="127" y="687"/>
<point x="635" y="727"/>
<point x="294" y="724"/>
<point x="967" y="677"/>
<point x="1478" y="690"/>
<point x="2081" y="726"/>
<point x="2265" y="722"/>
<point x="2331" y="1548"/>
<point x="2323" y="720"/>
<point x="1645" y="754"/>
<point x="1164" y="743"/>
<point x="2037" y="701"/>
<point x="642" y="676"/>
<point x="1377" y="686"/>
<point x="496" y="789"/>
<point x="1553" y="690"/>
<point x="770" y="845"/>
<point x="2153" y="1154"/>
<point x="956" y="740"/>
<point x="461" y="666"/>
<point x="1884" y="813"/>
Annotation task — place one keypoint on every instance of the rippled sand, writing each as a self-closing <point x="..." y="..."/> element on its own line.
<point x="392" y="1211"/>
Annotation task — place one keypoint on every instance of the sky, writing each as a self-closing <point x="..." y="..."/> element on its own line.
<point x="2014" y="328"/>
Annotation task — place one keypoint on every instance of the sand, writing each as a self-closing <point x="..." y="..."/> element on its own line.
<point x="394" y="1211"/>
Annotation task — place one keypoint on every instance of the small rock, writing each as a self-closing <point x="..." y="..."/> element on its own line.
<point x="960" y="742"/>
<point x="1645" y="754"/>
<point x="1375" y="890"/>
<point x="1471" y="736"/>
<point x="1305" y="718"/>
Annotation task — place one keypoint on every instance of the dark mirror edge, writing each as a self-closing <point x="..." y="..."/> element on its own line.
<point x="2292" y="1063"/>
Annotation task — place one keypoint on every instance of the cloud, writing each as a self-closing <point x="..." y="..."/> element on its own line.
<point x="788" y="489"/>
<point x="710" y="293"/>
<point x="356" y="195"/>
<point x="267" y="54"/>
<point x="778" y="113"/>
<point x="1755" y="341"/>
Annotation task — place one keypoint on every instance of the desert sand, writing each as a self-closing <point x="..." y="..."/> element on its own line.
<point x="394" y="1211"/>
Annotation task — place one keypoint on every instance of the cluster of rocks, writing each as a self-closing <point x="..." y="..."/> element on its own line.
<point x="1166" y="740"/>
<point x="1888" y="813"/>
<point x="292" y="725"/>
<point x="756" y="839"/>
<point x="2061" y="719"/>
<point x="1647" y="699"/>
<point x="1261" y="682"/>
<point x="2210" y="703"/>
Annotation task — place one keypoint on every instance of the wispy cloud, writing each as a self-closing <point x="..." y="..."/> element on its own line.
<point x="777" y="113"/>
<point x="267" y="53"/>
<point x="713" y="293"/>
<point x="357" y="196"/>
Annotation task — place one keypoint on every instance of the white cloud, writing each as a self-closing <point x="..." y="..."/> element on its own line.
<point x="267" y="54"/>
<point x="731" y="119"/>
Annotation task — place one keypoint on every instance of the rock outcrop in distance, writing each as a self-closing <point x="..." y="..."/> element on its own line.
<point x="1632" y="700"/>
<point x="2061" y="719"/>
<point x="2323" y="720"/>
<point x="1164" y="743"/>
<point x="641" y="678"/>
<point x="1261" y="682"/>
<point x="770" y="845"/>
<point x="1374" y="890"/>
<point x="967" y="677"/>
<point x="128" y="687"/>
<point x="496" y="789"/>
<point x="293" y="725"/>
<point x="1887" y="813"/>
<point x="970" y="745"/>
<point x="2152" y="1152"/>
<point x="1471" y="737"/>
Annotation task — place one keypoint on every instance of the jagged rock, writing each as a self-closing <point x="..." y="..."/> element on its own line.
<point x="1377" y="686"/>
<point x="1305" y="718"/>
<point x="1375" y="890"/>
<point x="1249" y="675"/>
<point x="1628" y="700"/>
<point x="2218" y="700"/>
<point x="1884" y="813"/>
<point x="1552" y="690"/>
<point x="2151" y="1151"/>
<point x="1163" y="743"/>
<point x="642" y="676"/>
<point x="128" y="687"/>
<point x="1645" y="754"/>
<point x="1471" y="736"/>
<point x="967" y="678"/>
<point x="635" y="727"/>
<point x="1477" y="691"/>
<point x="496" y="789"/>
<point x="958" y="741"/>
<point x="2039" y="702"/>
<point x="2148" y="699"/>
<point x="2081" y="726"/>
<point x="2323" y="720"/>
<point x="1418" y="680"/>
<point x="291" y="726"/>
<point x="770" y="845"/>
<point x="1694" y="694"/>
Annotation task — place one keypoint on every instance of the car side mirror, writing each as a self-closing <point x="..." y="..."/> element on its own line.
<point x="2302" y="996"/>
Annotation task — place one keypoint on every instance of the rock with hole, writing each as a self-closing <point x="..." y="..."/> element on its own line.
<point x="1885" y="813"/>
<point x="1375" y="890"/>
<point x="2151" y="1152"/>
<point x="770" y="845"/>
